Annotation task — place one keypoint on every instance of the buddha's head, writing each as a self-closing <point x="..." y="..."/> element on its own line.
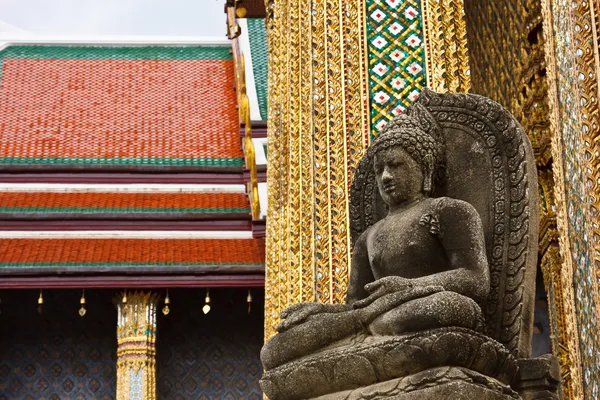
<point x="404" y="158"/>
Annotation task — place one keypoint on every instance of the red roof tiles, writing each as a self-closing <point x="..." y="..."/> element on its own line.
<point x="148" y="112"/>
<point x="94" y="202"/>
<point x="83" y="255"/>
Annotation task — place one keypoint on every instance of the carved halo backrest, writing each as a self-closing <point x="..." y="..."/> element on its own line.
<point x="489" y="163"/>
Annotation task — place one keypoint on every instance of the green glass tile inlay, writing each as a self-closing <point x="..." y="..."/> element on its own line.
<point x="121" y="210"/>
<point x="121" y="264"/>
<point x="396" y="58"/>
<point x="257" y="35"/>
<point x="179" y="162"/>
<point x="118" y="52"/>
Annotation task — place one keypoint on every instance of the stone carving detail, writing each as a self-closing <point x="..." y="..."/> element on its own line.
<point x="385" y="358"/>
<point x="442" y="383"/>
<point x="444" y="228"/>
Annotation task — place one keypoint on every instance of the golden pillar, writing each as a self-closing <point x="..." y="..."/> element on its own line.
<point x="317" y="132"/>
<point x="338" y="71"/>
<point x="571" y="31"/>
<point x="136" y="346"/>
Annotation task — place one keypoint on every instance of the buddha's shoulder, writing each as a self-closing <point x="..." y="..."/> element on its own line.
<point x="451" y="207"/>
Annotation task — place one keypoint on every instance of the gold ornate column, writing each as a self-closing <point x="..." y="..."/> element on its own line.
<point x="317" y="132"/>
<point x="136" y="346"/>
<point x="571" y="35"/>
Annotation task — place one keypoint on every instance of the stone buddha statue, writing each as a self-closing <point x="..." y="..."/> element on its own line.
<point x="421" y="271"/>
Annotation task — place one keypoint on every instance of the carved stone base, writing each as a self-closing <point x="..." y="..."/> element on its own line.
<point x="434" y="384"/>
<point x="385" y="358"/>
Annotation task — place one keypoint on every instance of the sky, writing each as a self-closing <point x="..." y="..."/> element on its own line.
<point x="116" y="17"/>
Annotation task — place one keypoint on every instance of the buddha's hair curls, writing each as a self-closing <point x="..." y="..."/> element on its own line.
<point x="405" y="131"/>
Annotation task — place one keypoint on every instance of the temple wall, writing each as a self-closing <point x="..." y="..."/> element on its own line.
<point x="538" y="58"/>
<point x="213" y="356"/>
<point x="57" y="355"/>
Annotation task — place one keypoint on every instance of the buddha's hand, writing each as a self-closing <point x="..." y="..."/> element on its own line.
<point x="384" y="286"/>
<point x="298" y="313"/>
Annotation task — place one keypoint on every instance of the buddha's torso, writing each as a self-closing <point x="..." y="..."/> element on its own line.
<point x="406" y="245"/>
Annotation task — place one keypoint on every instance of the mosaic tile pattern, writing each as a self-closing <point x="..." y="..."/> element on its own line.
<point x="576" y="210"/>
<point x="80" y="204"/>
<point x="213" y="356"/>
<point x="396" y="58"/>
<point x="57" y="355"/>
<point x="257" y="35"/>
<point x="136" y="384"/>
<point x="143" y="107"/>
<point x="138" y="255"/>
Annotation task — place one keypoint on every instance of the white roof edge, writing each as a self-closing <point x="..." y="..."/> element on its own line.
<point x="126" y="234"/>
<point x="122" y="188"/>
<point x="117" y="40"/>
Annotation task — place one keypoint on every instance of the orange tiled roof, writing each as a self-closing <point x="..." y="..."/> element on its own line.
<point x="122" y="203"/>
<point x="126" y="106"/>
<point x="88" y="255"/>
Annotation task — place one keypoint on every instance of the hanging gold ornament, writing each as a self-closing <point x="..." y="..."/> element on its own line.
<point x="40" y="302"/>
<point x="123" y="302"/>
<point x="166" y="310"/>
<point x="249" y="301"/>
<point x="206" y="308"/>
<point x="82" y="310"/>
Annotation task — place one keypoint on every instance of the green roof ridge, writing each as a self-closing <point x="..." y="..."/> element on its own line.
<point x="257" y="35"/>
<point x="153" y="161"/>
<point x="118" y="52"/>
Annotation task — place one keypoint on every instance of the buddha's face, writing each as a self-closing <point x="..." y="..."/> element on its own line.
<point x="399" y="177"/>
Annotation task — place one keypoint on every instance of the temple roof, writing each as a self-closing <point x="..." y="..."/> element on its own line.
<point x="127" y="107"/>
<point x="78" y="119"/>
<point x="118" y="255"/>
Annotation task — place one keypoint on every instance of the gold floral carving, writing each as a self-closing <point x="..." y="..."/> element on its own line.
<point x="317" y="132"/>
<point x="445" y="33"/>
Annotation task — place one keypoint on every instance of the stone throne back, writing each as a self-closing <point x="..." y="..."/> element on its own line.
<point x="488" y="162"/>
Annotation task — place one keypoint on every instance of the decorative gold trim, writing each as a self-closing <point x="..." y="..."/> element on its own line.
<point x="233" y="32"/>
<point x="445" y="33"/>
<point x="307" y="189"/>
<point x="586" y="58"/>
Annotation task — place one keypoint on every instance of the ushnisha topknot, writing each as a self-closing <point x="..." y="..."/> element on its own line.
<point x="404" y="131"/>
